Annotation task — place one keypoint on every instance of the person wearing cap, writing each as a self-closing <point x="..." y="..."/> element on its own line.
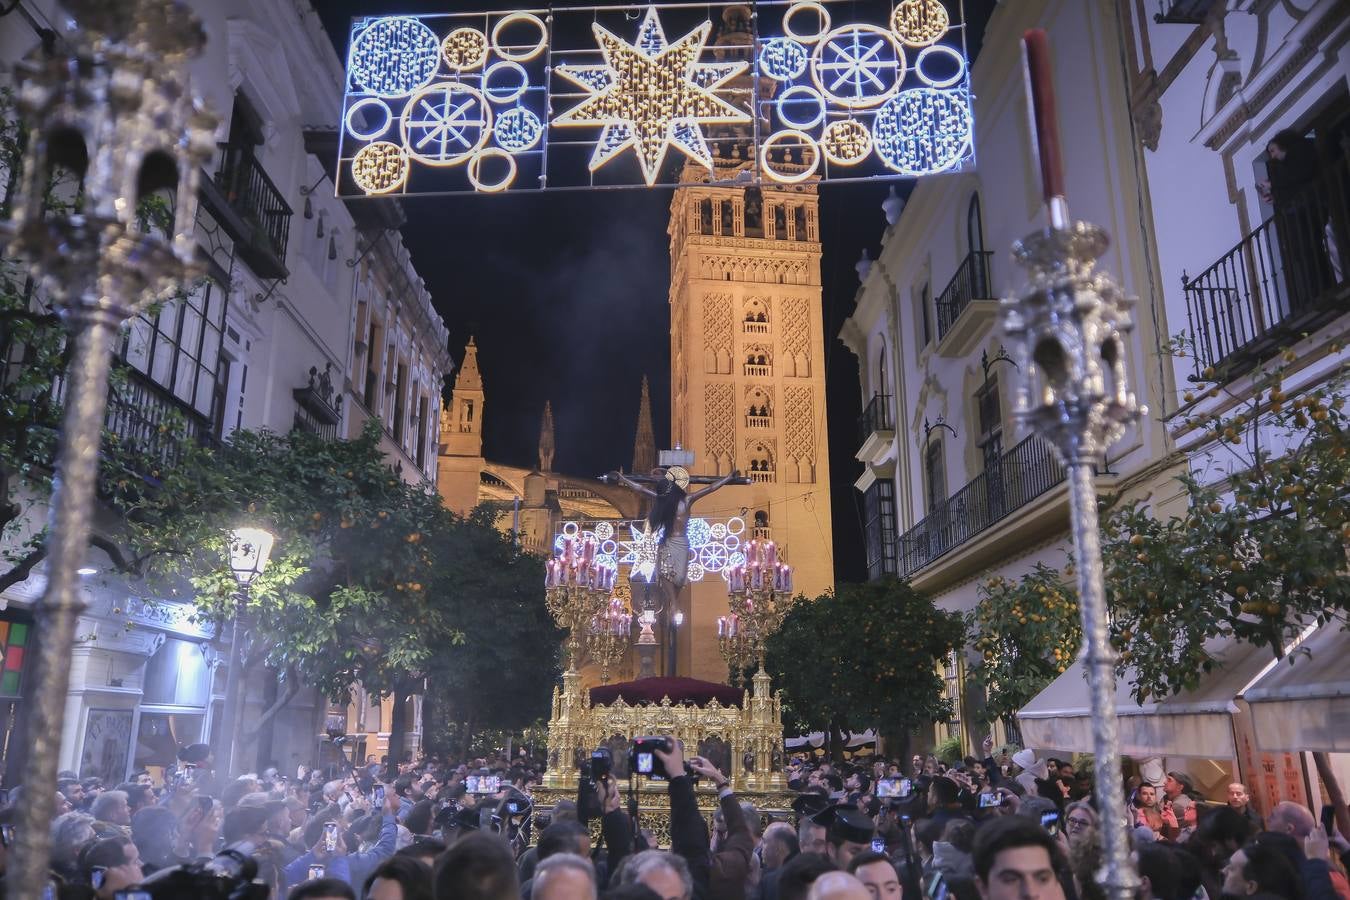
<point x="1033" y="771"/>
<point x="810" y="834"/>
<point x="1177" y="784"/>
<point x="848" y="832"/>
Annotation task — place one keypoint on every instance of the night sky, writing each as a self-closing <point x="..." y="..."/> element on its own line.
<point x="566" y="297"/>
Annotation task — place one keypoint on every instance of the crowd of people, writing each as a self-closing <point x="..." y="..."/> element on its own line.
<point x="997" y="828"/>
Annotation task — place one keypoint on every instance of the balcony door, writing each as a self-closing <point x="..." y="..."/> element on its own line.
<point x="989" y="417"/>
<point x="979" y="275"/>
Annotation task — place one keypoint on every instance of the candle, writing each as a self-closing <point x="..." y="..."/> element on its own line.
<point x="1041" y="100"/>
<point x="721" y="626"/>
<point x="771" y="554"/>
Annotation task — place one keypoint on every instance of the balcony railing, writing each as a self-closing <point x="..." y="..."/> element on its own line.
<point x="876" y="417"/>
<point x="1020" y="476"/>
<point x="761" y="475"/>
<point x="754" y="420"/>
<point x="265" y="213"/>
<point x="754" y="371"/>
<point x="151" y="425"/>
<point x="318" y="405"/>
<point x="1277" y="283"/>
<point x="755" y="327"/>
<point x="971" y="282"/>
<point x="1182" y="12"/>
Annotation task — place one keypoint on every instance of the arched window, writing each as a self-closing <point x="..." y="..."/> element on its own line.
<point x="883" y="384"/>
<point x="979" y="270"/>
<point x="761" y="519"/>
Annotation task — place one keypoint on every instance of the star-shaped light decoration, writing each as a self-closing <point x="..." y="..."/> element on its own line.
<point x="642" y="552"/>
<point x="652" y="94"/>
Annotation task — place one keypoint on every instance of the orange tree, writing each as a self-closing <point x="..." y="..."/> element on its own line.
<point x="1026" y="631"/>
<point x="863" y="656"/>
<point x="1259" y="556"/>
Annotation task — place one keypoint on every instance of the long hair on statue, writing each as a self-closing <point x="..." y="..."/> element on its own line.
<point x="665" y="506"/>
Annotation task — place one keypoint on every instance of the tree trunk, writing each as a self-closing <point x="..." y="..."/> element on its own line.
<point x="466" y="738"/>
<point x="398" y="725"/>
<point x="264" y="731"/>
<point x="836" y="742"/>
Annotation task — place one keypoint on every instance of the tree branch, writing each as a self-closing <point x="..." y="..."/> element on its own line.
<point x="292" y="688"/>
<point x="115" y="554"/>
<point x="23" y="567"/>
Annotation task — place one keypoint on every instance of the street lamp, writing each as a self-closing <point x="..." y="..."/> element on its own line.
<point x="112" y="107"/>
<point x="250" y="549"/>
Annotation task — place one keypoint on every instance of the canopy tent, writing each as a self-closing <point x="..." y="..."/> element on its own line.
<point x="1304" y="704"/>
<point x="1194" y="723"/>
<point x="820" y="739"/>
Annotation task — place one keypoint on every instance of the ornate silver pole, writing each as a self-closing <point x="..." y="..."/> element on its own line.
<point x="1068" y="333"/>
<point x="114" y="113"/>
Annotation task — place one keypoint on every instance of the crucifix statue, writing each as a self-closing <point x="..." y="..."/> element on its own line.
<point x="667" y="489"/>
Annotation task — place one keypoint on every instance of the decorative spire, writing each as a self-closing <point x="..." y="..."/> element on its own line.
<point x="644" y="447"/>
<point x="469" y="377"/>
<point x="546" y="445"/>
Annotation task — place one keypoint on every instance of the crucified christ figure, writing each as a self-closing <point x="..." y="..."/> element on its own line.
<point x="669" y="513"/>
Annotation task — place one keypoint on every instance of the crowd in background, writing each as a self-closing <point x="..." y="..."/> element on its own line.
<point x="1002" y="827"/>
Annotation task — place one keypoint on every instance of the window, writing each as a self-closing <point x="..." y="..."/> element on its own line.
<point x="179" y="347"/>
<point x="372" y="366"/>
<point x="422" y="432"/>
<point x="925" y="321"/>
<point x="400" y="401"/>
<point x="883" y="383"/>
<point x="974" y="225"/>
<point x="879" y="528"/>
<point x="934" y="474"/>
<point x="176" y="675"/>
<point x="952" y="677"/>
<point x="989" y="415"/>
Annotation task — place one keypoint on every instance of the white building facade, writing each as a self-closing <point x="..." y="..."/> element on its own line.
<point x="312" y="317"/>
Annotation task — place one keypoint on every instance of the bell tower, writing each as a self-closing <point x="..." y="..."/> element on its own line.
<point x="461" y="447"/>
<point x="748" y="369"/>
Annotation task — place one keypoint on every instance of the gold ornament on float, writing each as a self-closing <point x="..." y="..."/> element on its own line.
<point x="920" y="22"/>
<point x="380" y="167"/>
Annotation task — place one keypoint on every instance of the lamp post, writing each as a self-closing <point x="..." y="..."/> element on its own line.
<point x="250" y="549"/>
<point x="1068" y="331"/>
<point x="112" y="110"/>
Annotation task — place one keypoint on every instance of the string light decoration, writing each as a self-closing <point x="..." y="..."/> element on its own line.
<point x="714" y="546"/>
<point x="503" y="100"/>
<point x="649" y="88"/>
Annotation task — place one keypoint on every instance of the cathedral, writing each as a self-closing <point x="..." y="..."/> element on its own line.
<point x="747" y="393"/>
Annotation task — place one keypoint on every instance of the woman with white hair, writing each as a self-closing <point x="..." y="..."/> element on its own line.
<point x="71" y="833"/>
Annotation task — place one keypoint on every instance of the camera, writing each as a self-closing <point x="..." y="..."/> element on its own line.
<point x="483" y="783"/>
<point x="642" y="758"/>
<point x="990" y="800"/>
<point x="599" y="767"/>
<point x="894" y="788"/>
<point x="229" y="875"/>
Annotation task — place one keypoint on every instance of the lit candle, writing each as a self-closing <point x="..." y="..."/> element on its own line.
<point x="721" y="626"/>
<point x="771" y="554"/>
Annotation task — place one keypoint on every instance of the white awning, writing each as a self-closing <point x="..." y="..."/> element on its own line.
<point x="1304" y="703"/>
<point x="1195" y="723"/>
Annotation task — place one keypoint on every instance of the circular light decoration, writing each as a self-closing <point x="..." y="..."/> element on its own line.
<point x="607" y="559"/>
<point x="517" y="130"/>
<point x="514" y="52"/>
<point x="380" y="167"/>
<point x="794" y="138"/>
<point x="800" y="95"/>
<point x="371" y="132"/>
<point x="846" y="142"/>
<point x="570" y="529"/>
<point x="696" y="572"/>
<point x="714" y="556"/>
<point x="604" y="531"/>
<point x="795" y="9"/>
<point x="733" y="541"/>
<point x="446" y="124"/>
<point x="735" y="525"/>
<point x="783" y="59"/>
<point x="923" y="131"/>
<point x="609" y="546"/>
<point x="919" y="22"/>
<point x="858" y="66"/>
<point x="558" y="541"/>
<point x="464" y="49"/>
<point x="698" y="532"/>
<point x="393" y="56"/>
<point x="951" y="53"/>
<point x="476" y="168"/>
<point x="735" y="559"/>
<point x="719" y="531"/>
<point x="504" y="89"/>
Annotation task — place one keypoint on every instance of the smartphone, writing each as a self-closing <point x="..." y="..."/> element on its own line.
<point x="1050" y="821"/>
<point x="316" y="871"/>
<point x="7" y="835"/>
<point x="990" y="800"/>
<point x="330" y="836"/>
<point x="936" y="889"/>
<point x="97" y="874"/>
<point x="878" y="845"/>
<point x="132" y="895"/>
<point x="377" y="795"/>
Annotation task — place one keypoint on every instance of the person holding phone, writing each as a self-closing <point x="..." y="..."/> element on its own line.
<point x="111" y="865"/>
<point x="326" y="848"/>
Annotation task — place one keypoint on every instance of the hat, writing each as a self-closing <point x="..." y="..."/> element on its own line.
<point x="809" y="804"/>
<point x="845" y="823"/>
<point x="1152" y="771"/>
<point x="194" y="753"/>
<point x="1187" y="783"/>
<point x="262" y="800"/>
<point x="1026" y="760"/>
